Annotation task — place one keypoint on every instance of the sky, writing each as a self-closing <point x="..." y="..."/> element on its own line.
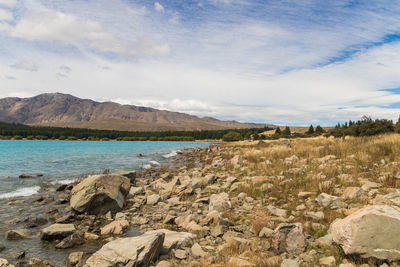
<point x="270" y="61"/>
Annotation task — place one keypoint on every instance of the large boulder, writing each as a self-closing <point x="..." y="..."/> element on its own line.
<point x="173" y="239"/>
<point x="372" y="231"/>
<point x="290" y="238"/>
<point x="100" y="194"/>
<point x="131" y="251"/>
<point x="57" y="231"/>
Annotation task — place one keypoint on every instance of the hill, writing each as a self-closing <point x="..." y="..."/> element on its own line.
<point x="63" y="110"/>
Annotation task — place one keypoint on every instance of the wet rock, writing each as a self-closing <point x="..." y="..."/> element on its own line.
<point x="117" y="227"/>
<point x="27" y="176"/>
<point x="36" y="221"/>
<point x="20" y="255"/>
<point x="2" y="247"/>
<point x="220" y="202"/>
<point x="370" y="232"/>
<point x="57" y="231"/>
<point x="100" y="194"/>
<point x="131" y="251"/>
<point x="70" y="241"/>
<point x="75" y="259"/>
<point x="289" y="238"/>
<point x="17" y="234"/>
<point x="61" y="187"/>
<point x="173" y="240"/>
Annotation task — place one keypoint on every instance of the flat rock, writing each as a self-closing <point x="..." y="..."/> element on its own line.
<point x="131" y="251"/>
<point x="116" y="227"/>
<point x="325" y="200"/>
<point x="173" y="240"/>
<point x="277" y="211"/>
<point x="17" y="234"/>
<point x="74" y="259"/>
<point x="57" y="231"/>
<point x="372" y="231"/>
<point x="153" y="199"/>
<point x="100" y="194"/>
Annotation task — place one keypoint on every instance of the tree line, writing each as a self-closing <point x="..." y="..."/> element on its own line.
<point x="20" y="131"/>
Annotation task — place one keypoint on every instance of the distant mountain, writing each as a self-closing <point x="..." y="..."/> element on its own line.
<point x="64" y="110"/>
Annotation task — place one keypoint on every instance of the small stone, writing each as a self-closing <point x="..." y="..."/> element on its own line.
<point x="325" y="240"/>
<point x="153" y="199"/>
<point x="180" y="254"/>
<point x="57" y="231"/>
<point x="197" y="251"/>
<point x="289" y="263"/>
<point x="266" y="232"/>
<point x="319" y="215"/>
<point x="218" y="230"/>
<point x="74" y="258"/>
<point x="90" y="236"/>
<point x="17" y="234"/>
<point x="301" y="207"/>
<point x="164" y="264"/>
<point x="327" y="261"/>
<point x="136" y="191"/>
<point x="277" y="211"/>
<point x="238" y="262"/>
<point x="115" y="228"/>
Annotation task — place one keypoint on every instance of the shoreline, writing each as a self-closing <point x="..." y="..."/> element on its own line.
<point x="261" y="204"/>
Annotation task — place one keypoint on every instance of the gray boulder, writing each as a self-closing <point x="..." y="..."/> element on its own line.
<point x="131" y="251"/>
<point x="100" y="194"/>
<point x="290" y="238"/>
<point x="57" y="231"/>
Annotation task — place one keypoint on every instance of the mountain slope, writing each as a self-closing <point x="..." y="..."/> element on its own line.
<point x="69" y="111"/>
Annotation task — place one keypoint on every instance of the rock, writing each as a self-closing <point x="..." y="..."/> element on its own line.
<point x="131" y="251"/>
<point x="319" y="215"/>
<point x="327" y="261"/>
<point x="90" y="236"/>
<point x="219" y="202"/>
<point x="289" y="238"/>
<point x="5" y="263"/>
<point x="277" y="211"/>
<point x="20" y="255"/>
<point x="26" y="176"/>
<point x="57" y="231"/>
<point x="100" y="194"/>
<point x="197" y="251"/>
<point x="131" y="175"/>
<point x="368" y="185"/>
<point x="61" y="187"/>
<point x="169" y="219"/>
<point x="266" y="232"/>
<point x="117" y="227"/>
<point x="153" y="199"/>
<point x="238" y="262"/>
<point x="180" y="254"/>
<point x="218" y="230"/>
<point x="71" y="241"/>
<point x="326" y="240"/>
<point x="173" y="240"/>
<point x="325" y="200"/>
<point x="37" y="220"/>
<point x="305" y="194"/>
<point x="75" y="259"/>
<point x="164" y="264"/>
<point x="301" y="207"/>
<point x="352" y="192"/>
<point x="2" y="247"/>
<point x="136" y="191"/>
<point x="17" y="234"/>
<point x="289" y="263"/>
<point x="370" y="232"/>
<point x="35" y="262"/>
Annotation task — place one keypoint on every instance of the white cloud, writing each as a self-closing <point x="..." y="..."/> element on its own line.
<point x="71" y="30"/>
<point x="8" y="3"/>
<point x="6" y="15"/>
<point x="158" y="7"/>
<point x="147" y="45"/>
<point x="25" y="65"/>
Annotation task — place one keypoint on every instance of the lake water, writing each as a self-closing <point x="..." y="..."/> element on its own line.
<point x="64" y="161"/>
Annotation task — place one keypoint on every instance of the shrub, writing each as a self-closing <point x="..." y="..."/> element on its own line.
<point x="232" y="136"/>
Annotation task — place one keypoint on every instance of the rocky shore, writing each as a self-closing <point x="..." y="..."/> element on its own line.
<point x="308" y="202"/>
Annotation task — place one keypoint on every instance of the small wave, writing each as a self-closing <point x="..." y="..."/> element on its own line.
<point x="22" y="192"/>
<point x="146" y="166"/>
<point x="153" y="162"/>
<point x="173" y="153"/>
<point x="66" y="181"/>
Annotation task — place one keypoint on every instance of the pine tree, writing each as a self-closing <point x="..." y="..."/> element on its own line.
<point x="310" y="130"/>
<point x="286" y="132"/>
<point x="319" y="130"/>
<point x="278" y="131"/>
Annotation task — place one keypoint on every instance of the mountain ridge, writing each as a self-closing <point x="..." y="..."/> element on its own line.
<point x="65" y="110"/>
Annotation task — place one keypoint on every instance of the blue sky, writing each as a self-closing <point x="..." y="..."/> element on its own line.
<point x="283" y="62"/>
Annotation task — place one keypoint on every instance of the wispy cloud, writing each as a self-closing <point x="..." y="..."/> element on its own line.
<point x="25" y="65"/>
<point x="158" y="7"/>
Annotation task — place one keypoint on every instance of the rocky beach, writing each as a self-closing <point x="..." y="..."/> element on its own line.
<point x="297" y="202"/>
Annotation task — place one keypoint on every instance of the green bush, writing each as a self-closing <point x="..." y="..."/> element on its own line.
<point x="232" y="136"/>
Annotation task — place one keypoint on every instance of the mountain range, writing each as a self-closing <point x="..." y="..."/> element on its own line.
<point x="63" y="110"/>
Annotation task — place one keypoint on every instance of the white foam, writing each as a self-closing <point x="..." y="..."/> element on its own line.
<point x="146" y="166"/>
<point x="173" y="153"/>
<point x="66" y="181"/>
<point x="153" y="162"/>
<point x="22" y="192"/>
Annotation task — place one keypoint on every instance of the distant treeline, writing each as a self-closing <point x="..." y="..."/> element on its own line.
<point x="20" y="131"/>
<point x="365" y="127"/>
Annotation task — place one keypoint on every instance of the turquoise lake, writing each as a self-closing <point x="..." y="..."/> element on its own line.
<point x="63" y="161"/>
